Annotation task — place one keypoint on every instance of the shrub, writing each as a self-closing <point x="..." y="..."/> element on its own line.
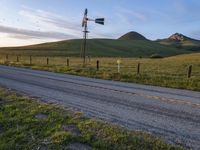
<point x="156" y="56"/>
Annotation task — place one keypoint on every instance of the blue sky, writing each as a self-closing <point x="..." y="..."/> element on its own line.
<point x="24" y="22"/>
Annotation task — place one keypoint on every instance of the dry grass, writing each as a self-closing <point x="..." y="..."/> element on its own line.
<point x="167" y="72"/>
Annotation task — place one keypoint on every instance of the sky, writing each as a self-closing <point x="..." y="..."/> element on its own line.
<point x="25" y="22"/>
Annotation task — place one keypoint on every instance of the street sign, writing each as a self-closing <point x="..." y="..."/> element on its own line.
<point x="118" y="61"/>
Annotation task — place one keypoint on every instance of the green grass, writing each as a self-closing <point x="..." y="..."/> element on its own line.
<point x="20" y="129"/>
<point x="96" y="48"/>
<point x="166" y="72"/>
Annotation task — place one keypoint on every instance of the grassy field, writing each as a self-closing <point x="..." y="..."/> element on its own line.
<point x="166" y="72"/>
<point x="26" y="123"/>
<point x="97" y="48"/>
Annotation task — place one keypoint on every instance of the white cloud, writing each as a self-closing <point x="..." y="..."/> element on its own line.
<point x="71" y="25"/>
<point x="195" y="34"/>
<point x="38" y="25"/>
<point x="47" y="20"/>
<point x="31" y="34"/>
<point x="130" y="16"/>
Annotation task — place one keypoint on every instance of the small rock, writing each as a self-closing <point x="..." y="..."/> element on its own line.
<point x="43" y="147"/>
<point x="46" y="141"/>
<point x="78" y="146"/>
<point x="41" y="116"/>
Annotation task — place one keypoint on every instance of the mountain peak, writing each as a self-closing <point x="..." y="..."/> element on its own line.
<point x="178" y="37"/>
<point x="132" y="36"/>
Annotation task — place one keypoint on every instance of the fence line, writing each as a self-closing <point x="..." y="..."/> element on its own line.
<point x="137" y="67"/>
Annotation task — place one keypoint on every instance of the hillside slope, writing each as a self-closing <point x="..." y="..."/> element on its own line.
<point x="182" y="42"/>
<point x="132" y="36"/>
<point x="96" y="47"/>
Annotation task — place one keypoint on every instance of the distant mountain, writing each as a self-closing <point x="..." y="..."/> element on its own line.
<point x="178" y="37"/>
<point x="181" y="41"/>
<point x="132" y="36"/>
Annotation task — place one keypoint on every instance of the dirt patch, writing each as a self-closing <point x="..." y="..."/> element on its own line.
<point x="41" y="116"/>
<point x="78" y="146"/>
<point x="73" y="129"/>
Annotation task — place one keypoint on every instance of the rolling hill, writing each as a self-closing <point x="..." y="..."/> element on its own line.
<point x="132" y="36"/>
<point x="182" y="42"/>
<point x="131" y="44"/>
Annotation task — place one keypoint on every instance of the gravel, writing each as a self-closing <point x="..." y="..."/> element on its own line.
<point x="171" y="114"/>
<point x="78" y="146"/>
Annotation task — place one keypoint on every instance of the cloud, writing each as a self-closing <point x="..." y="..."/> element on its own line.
<point x="46" y="19"/>
<point x="130" y="17"/>
<point x="37" y="26"/>
<point x="31" y="34"/>
<point x="71" y="25"/>
<point x="195" y="34"/>
<point x="51" y="26"/>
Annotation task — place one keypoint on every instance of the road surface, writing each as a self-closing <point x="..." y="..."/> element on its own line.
<point x="171" y="114"/>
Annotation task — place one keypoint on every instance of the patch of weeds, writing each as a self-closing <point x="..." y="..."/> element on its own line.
<point x="72" y="128"/>
<point x="116" y="76"/>
<point x="61" y="136"/>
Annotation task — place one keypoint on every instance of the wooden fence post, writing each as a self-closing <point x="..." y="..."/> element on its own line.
<point x="138" y="68"/>
<point x="6" y="57"/>
<point x="189" y="74"/>
<point x="67" y="62"/>
<point x="97" y="65"/>
<point x="30" y="60"/>
<point x="47" y="61"/>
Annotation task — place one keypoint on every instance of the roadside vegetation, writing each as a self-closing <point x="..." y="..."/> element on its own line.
<point x="26" y="123"/>
<point x="166" y="72"/>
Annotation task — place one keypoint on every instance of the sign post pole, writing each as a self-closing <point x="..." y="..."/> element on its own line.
<point x="118" y="65"/>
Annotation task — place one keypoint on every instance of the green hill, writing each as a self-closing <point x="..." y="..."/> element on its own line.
<point x="132" y="36"/>
<point x="182" y="42"/>
<point x="129" y="45"/>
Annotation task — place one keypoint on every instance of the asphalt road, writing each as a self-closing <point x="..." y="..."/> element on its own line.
<point x="172" y="114"/>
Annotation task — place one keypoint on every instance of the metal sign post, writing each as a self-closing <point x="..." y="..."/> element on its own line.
<point x="118" y="65"/>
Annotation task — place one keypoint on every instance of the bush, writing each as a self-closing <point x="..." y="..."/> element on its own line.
<point x="156" y="56"/>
